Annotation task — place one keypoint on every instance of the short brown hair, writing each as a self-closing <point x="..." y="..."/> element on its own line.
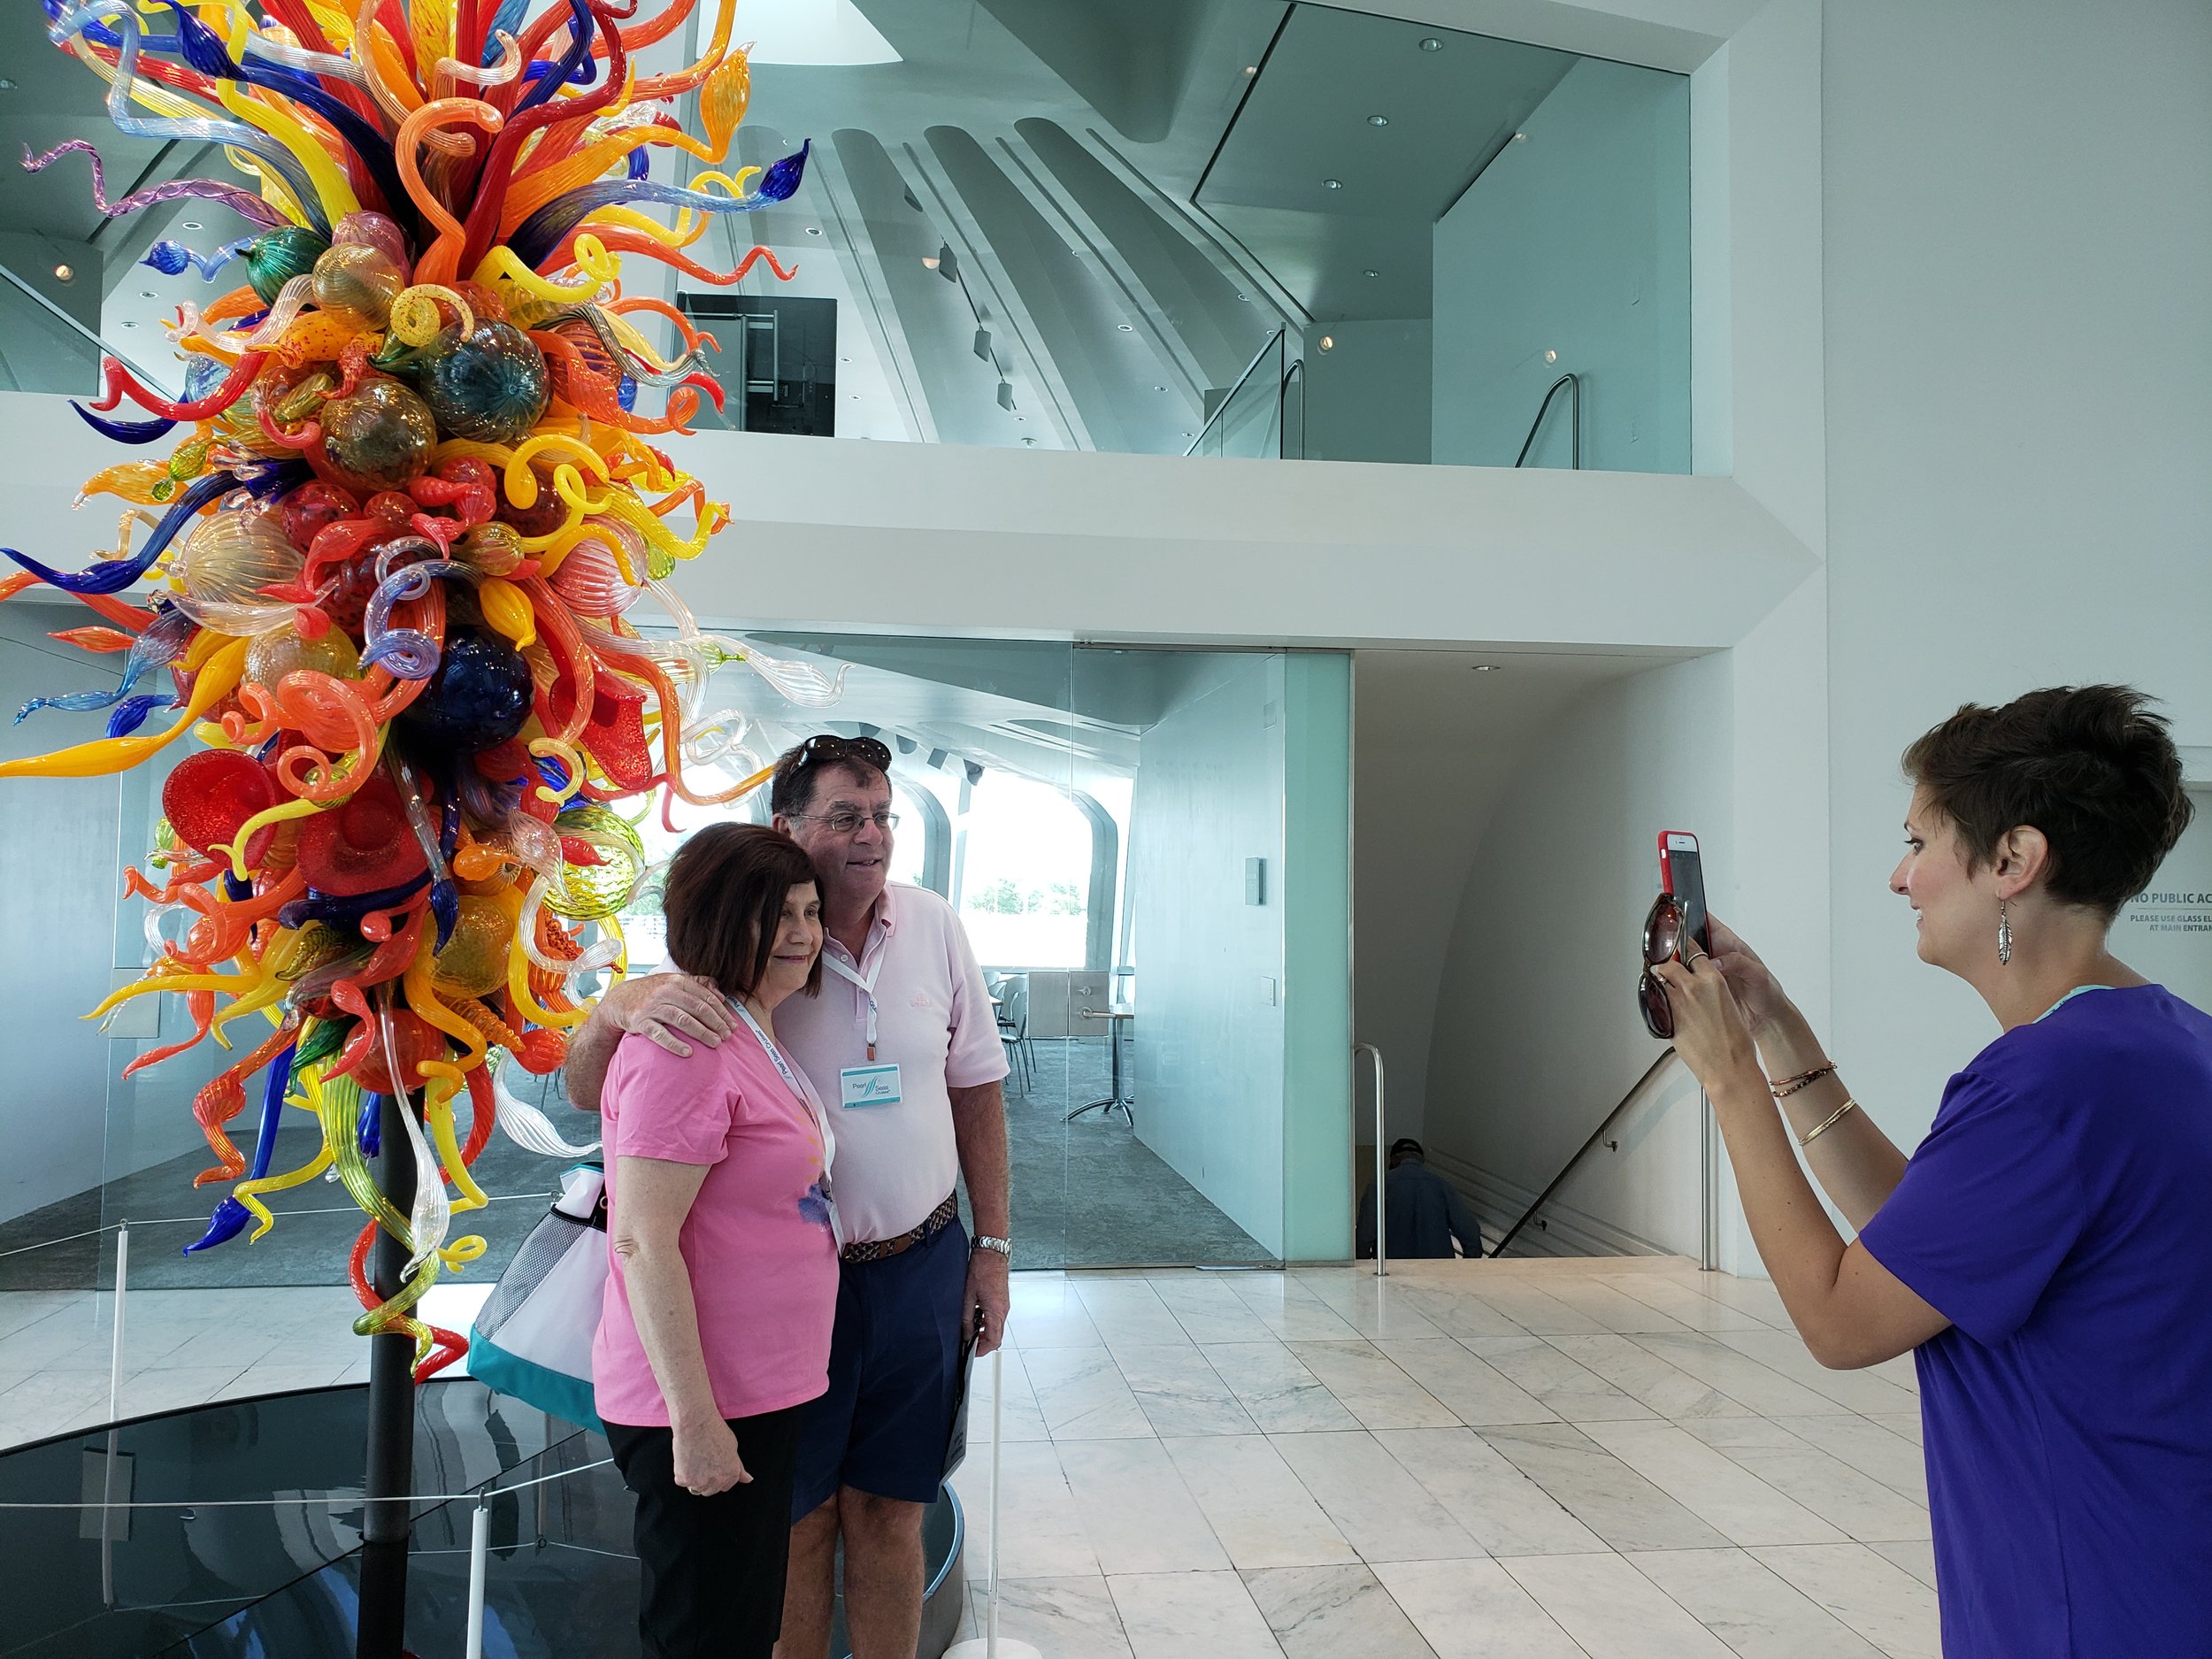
<point x="724" y="902"/>
<point x="2091" y="766"/>
<point x="799" y="769"/>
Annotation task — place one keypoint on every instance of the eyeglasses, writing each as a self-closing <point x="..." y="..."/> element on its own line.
<point x="828" y="747"/>
<point x="849" y="823"/>
<point x="1664" y="930"/>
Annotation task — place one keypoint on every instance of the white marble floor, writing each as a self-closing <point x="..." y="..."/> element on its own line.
<point x="1613" y="1458"/>
<point x="1618" y="1458"/>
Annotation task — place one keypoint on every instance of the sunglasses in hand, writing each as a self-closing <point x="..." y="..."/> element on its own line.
<point x="1666" y="935"/>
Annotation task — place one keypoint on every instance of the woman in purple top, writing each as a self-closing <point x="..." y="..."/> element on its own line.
<point x="2044" y="1249"/>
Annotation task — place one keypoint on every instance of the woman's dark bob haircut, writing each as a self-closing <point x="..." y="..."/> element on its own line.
<point x="2088" y="766"/>
<point x="724" y="902"/>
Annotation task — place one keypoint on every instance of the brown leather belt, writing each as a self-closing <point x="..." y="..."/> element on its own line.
<point x="878" y="1250"/>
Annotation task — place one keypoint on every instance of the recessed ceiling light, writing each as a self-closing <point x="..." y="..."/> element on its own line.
<point x="1370" y="274"/>
<point x="6" y="85"/>
<point x="129" y="323"/>
<point x="145" y="294"/>
<point x="929" y="261"/>
<point x="1520" y="138"/>
<point x="1551" y="357"/>
<point x="190" y="223"/>
<point x="1127" y="328"/>
<point x="1486" y="668"/>
<point x="1250" y="69"/>
<point x="1333" y="184"/>
<point x="1430" y="43"/>
<point x="1244" y="299"/>
<point x="1159" y="388"/>
<point x="1328" y="342"/>
<point x="813" y="230"/>
<point x="64" y="273"/>
<point x="1378" y="120"/>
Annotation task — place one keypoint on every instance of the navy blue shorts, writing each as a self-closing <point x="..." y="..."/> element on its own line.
<point x="884" y="1425"/>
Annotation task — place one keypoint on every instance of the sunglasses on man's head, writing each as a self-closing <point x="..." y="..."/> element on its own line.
<point x="1666" y="927"/>
<point x="828" y="747"/>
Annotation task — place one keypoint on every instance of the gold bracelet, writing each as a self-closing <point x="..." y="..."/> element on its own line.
<point x="1829" y="1122"/>
<point x="1789" y="1086"/>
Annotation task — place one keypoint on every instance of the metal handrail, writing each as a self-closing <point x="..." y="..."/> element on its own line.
<point x="1596" y="1136"/>
<point x="1258" y="358"/>
<point x="1542" y="409"/>
<point x="1382" y="1161"/>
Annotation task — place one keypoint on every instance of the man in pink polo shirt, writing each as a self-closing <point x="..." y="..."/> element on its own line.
<point x="903" y="1045"/>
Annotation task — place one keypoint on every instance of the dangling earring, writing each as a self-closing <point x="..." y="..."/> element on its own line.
<point x="2004" y="935"/>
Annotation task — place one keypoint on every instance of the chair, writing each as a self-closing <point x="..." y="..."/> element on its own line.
<point x="1013" y="1024"/>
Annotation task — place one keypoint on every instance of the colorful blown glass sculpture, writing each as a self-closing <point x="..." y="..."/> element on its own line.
<point x="412" y="496"/>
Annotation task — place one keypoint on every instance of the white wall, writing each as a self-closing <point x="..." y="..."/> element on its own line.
<point x="1208" y="1065"/>
<point x="1537" y="1035"/>
<point x="1574" y="241"/>
<point x="2019" y="418"/>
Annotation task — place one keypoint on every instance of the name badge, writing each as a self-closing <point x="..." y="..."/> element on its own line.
<point x="869" y="1086"/>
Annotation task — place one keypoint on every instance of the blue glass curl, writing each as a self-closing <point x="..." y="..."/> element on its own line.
<point x="348" y="909"/>
<point x="538" y="235"/>
<point x="112" y="576"/>
<point x="131" y="713"/>
<point x="160" y="644"/>
<point x="231" y="1217"/>
<point x="126" y="431"/>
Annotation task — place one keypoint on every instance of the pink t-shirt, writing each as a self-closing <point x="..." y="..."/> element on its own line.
<point x="757" y="1241"/>
<point x="933" y="1020"/>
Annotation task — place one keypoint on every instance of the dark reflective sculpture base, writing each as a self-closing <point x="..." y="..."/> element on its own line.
<point x="219" y="1583"/>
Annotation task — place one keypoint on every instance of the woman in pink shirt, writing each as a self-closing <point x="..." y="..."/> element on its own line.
<point x="717" y="1322"/>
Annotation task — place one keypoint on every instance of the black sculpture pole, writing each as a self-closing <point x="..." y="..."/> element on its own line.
<point x="391" y="1452"/>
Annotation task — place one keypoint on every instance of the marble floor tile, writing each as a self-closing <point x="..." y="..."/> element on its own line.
<point x="1127" y="1311"/>
<point x="1612" y="1611"/>
<point x="1784" y="1352"/>
<point x="1474" y="1390"/>
<point x="1872" y="1595"/>
<point x="1281" y="1395"/>
<point x="1862" y="1506"/>
<point x="1181" y="1393"/>
<point x="1208" y="1310"/>
<point x="1536" y="1311"/>
<point x="1728" y="1433"/>
<point x="1043" y="1534"/>
<point x="1371" y="1387"/>
<point x="20" y="1309"/>
<point x="1382" y="1510"/>
<point x="1758" y="1615"/>
<point x="1752" y="1385"/>
<point x="1607" y="1496"/>
<point x="1047" y="1312"/>
<point x="1685" y="1304"/>
<point x="1753" y="1296"/>
<point x="275" y="1380"/>
<point x="1456" y="1311"/>
<point x="1905" y="1425"/>
<point x="1473" y="1609"/>
<point x="1021" y="1419"/>
<point x="1333" y="1613"/>
<point x="168" y="1387"/>
<point x="1494" y="1504"/>
<point x="1257" y="1507"/>
<point x="1644" y="1376"/>
<point x="1614" y="1310"/>
<point x="1549" y="1375"/>
<point x="1712" y="1485"/>
<point x="1082" y="1394"/>
<point x="1136" y="1511"/>
<point x="1068" y="1619"/>
<point x="1191" y="1615"/>
<point x="1290" y="1311"/>
<point x="1915" y="1555"/>
<point x="1373" y="1308"/>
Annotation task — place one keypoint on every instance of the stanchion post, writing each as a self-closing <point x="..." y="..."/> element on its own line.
<point x="479" y="1552"/>
<point x="115" y="1410"/>
<point x="1382" y="1163"/>
<point x="380" y="1633"/>
<point x="989" y="1645"/>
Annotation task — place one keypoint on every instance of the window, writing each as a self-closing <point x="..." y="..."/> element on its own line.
<point x="1026" y="875"/>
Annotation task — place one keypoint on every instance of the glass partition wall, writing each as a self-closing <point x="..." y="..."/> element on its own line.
<point x="1145" y="847"/>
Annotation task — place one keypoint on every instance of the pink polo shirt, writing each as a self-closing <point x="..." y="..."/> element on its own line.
<point x="933" y="1020"/>
<point x="757" y="1241"/>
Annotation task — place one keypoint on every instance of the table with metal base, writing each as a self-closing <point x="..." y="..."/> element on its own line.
<point x="1115" y="1016"/>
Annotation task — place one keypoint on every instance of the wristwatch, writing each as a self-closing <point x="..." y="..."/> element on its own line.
<point x="985" y="1242"/>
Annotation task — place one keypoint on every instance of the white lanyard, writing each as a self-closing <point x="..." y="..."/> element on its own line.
<point x="807" y="1105"/>
<point x="867" y="987"/>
